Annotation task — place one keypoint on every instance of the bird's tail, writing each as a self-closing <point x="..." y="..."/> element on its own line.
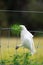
<point x="33" y="51"/>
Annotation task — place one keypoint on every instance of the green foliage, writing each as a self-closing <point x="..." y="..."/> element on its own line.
<point x="15" y="29"/>
<point x="21" y="59"/>
<point x="2" y="62"/>
<point x="15" y="60"/>
<point x="26" y="60"/>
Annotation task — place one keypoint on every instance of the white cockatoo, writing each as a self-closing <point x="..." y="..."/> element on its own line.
<point x="26" y="40"/>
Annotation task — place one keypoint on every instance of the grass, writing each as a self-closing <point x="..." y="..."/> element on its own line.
<point x="8" y="54"/>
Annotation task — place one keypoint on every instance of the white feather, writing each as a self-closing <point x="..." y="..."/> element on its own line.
<point x="27" y="39"/>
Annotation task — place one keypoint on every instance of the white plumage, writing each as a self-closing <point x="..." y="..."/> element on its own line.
<point x="27" y="39"/>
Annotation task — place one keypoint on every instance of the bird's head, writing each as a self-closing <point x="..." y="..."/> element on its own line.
<point x="16" y="29"/>
<point x="22" y="27"/>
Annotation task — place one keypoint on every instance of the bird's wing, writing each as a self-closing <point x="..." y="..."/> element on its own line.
<point x="29" y="34"/>
<point x="25" y="35"/>
<point x="27" y="42"/>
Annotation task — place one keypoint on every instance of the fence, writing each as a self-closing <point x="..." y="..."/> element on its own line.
<point x="8" y="43"/>
<point x="21" y="11"/>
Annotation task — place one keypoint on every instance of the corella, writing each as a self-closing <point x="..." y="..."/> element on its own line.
<point x="26" y="40"/>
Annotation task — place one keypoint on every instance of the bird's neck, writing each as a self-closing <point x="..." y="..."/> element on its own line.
<point x="24" y="30"/>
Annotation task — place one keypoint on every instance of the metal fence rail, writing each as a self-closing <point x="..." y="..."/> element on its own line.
<point x="13" y="29"/>
<point x="24" y="11"/>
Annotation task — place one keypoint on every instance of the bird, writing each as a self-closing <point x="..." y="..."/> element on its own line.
<point x="26" y="40"/>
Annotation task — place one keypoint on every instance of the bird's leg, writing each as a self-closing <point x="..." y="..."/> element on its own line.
<point x="20" y="45"/>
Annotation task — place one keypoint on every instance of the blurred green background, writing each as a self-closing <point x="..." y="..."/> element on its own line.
<point x="33" y="21"/>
